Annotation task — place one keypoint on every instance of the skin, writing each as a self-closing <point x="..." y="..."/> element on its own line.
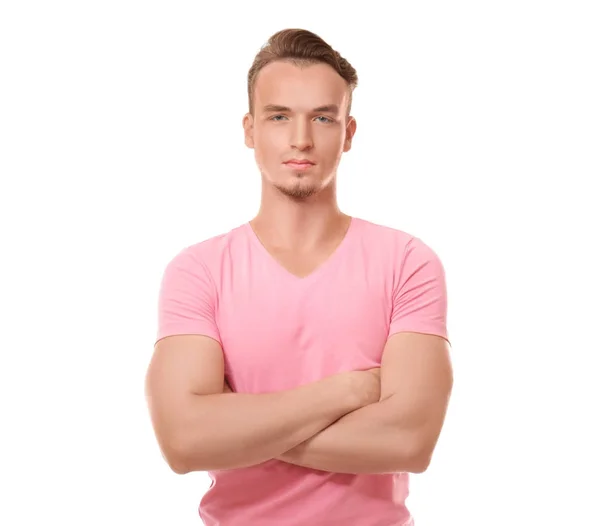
<point x="299" y="215"/>
<point x="299" y="222"/>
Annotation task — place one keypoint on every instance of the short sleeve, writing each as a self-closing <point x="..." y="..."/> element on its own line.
<point x="420" y="293"/>
<point x="187" y="298"/>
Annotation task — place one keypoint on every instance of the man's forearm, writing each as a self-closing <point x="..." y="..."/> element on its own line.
<point x="367" y="440"/>
<point x="230" y="430"/>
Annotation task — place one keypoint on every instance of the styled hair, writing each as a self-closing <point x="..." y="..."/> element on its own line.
<point x="302" y="48"/>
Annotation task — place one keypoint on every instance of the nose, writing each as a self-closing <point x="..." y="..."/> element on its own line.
<point x="301" y="138"/>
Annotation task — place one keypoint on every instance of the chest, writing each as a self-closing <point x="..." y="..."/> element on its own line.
<point x="278" y="334"/>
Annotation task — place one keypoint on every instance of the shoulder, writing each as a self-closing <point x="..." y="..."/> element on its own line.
<point x="393" y="240"/>
<point x="208" y="251"/>
<point x="198" y="265"/>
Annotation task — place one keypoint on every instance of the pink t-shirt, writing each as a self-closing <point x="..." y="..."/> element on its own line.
<point x="279" y="331"/>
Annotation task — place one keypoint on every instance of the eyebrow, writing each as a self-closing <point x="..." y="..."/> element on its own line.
<point x="327" y="108"/>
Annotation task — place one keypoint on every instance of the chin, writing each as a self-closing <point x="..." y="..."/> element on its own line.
<point x="298" y="191"/>
<point x="297" y="185"/>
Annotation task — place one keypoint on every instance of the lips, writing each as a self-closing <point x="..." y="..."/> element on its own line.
<point x="300" y="162"/>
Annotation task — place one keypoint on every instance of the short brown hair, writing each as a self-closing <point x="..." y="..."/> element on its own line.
<point x="300" y="47"/>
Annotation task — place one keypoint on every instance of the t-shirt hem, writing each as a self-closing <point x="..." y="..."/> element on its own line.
<point x="177" y="330"/>
<point x="432" y="329"/>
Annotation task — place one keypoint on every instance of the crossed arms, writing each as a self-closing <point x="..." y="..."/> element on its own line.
<point x="328" y="425"/>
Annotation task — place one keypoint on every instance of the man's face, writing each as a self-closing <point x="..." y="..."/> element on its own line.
<point x="299" y="113"/>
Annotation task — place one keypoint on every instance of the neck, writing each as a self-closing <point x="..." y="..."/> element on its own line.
<point x="306" y="224"/>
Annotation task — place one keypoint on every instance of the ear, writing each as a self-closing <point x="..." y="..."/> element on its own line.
<point x="350" y="131"/>
<point x="248" y="124"/>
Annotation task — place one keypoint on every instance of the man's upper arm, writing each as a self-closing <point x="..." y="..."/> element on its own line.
<point x="416" y="382"/>
<point x="181" y="367"/>
<point x="416" y="371"/>
<point x="188" y="357"/>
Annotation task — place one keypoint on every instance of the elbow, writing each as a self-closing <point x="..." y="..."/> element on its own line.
<point x="411" y="464"/>
<point x="420" y="463"/>
<point x="184" y="458"/>
<point x="417" y="459"/>
<point x="176" y="457"/>
<point x="177" y="463"/>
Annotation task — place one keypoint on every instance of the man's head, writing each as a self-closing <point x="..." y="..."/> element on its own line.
<point x="299" y="96"/>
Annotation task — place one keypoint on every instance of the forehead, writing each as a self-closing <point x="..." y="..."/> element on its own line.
<point x="303" y="87"/>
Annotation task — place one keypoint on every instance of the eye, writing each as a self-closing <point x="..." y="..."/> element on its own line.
<point x="276" y="117"/>
<point x="327" y="119"/>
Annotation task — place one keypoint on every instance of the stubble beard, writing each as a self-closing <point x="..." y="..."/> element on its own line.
<point x="298" y="191"/>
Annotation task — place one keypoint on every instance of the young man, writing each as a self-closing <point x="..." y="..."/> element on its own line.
<point x="302" y="358"/>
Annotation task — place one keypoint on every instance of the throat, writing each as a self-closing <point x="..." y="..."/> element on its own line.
<point x="303" y="262"/>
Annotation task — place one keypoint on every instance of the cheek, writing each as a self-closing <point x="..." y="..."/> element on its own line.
<point x="268" y="143"/>
<point x="268" y="150"/>
<point x="333" y="146"/>
<point x="332" y="138"/>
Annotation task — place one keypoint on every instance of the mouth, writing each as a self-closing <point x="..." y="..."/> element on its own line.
<point x="299" y="164"/>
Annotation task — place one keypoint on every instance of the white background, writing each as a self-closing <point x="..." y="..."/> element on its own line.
<point x="121" y="143"/>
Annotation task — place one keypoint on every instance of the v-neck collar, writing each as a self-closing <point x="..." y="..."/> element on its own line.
<point x="333" y="257"/>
